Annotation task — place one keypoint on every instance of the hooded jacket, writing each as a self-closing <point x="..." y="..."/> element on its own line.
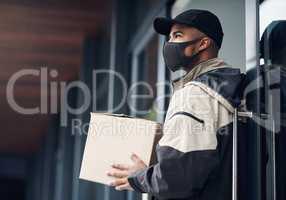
<point x="195" y="152"/>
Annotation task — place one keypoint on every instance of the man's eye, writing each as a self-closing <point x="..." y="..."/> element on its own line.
<point x="177" y="35"/>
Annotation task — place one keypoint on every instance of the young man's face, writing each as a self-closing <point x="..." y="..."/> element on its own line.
<point x="181" y="33"/>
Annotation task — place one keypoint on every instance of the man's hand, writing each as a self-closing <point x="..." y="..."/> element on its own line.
<point x="121" y="172"/>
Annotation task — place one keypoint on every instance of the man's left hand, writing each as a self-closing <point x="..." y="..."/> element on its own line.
<point x="121" y="172"/>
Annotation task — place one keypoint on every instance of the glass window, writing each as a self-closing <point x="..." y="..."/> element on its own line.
<point x="273" y="93"/>
<point x="147" y="71"/>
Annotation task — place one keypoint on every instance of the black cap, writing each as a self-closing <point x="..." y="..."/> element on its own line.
<point x="203" y="20"/>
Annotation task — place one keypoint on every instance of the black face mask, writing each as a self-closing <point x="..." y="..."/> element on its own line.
<point x="174" y="55"/>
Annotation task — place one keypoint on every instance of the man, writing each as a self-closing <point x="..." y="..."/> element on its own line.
<point x="195" y="152"/>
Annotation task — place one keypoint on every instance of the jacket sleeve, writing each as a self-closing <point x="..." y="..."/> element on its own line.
<point x="187" y="153"/>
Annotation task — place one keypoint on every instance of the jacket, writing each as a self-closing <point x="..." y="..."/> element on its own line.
<point x="195" y="152"/>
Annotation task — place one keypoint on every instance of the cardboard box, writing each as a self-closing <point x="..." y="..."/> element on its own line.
<point x="112" y="138"/>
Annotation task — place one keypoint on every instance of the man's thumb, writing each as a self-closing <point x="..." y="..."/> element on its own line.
<point x="135" y="158"/>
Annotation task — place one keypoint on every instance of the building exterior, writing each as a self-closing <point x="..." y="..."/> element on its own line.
<point x="127" y="45"/>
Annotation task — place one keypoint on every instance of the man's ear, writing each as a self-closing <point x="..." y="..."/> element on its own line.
<point x="205" y="43"/>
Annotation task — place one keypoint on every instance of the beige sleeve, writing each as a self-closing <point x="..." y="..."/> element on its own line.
<point x="193" y="120"/>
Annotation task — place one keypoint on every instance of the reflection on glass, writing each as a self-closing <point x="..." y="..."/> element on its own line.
<point x="273" y="51"/>
<point x="273" y="103"/>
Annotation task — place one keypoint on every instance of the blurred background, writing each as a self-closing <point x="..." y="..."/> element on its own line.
<point x="39" y="157"/>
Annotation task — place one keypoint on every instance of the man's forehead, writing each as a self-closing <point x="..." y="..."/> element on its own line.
<point x="181" y="27"/>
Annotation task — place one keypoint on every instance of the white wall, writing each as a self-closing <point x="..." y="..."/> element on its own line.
<point x="271" y="10"/>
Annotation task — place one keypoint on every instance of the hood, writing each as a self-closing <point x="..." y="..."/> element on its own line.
<point x="228" y="82"/>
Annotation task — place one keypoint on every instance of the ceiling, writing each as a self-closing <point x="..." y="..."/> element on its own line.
<point x="34" y="35"/>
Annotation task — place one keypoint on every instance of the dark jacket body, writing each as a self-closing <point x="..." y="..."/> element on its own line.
<point x="197" y="164"/>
